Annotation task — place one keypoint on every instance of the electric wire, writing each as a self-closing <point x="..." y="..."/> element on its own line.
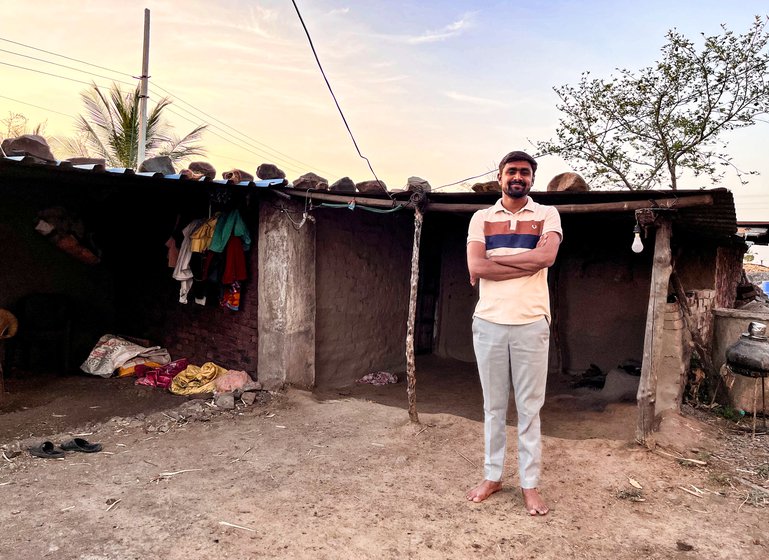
<point x="38" y="107"/>
<point x="46" y="73"/>
<point x="328" y="84"/>
<point x="237" y="141"/>
<point x="245" y="136"/>
<point x="230" y="140"/>
<point x="65" y="66"/>
<point x="227" y="139"/>
<point x="175" y="97"/>
<point x="66" y="57"/>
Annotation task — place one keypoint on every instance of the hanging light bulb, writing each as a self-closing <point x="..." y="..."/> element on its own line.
<point x="637" y="245"/>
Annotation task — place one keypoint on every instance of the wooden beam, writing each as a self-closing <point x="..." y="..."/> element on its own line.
<point x="411" y="373"/>
<point x="655" y="321"/>
<point x="627" y="206"/>
<point x="345" y="198"/>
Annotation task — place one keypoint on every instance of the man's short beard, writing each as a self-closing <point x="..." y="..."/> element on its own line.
<point x="516" y="194"/>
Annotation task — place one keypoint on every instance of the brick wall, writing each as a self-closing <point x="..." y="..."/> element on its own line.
<point x="151" y="309"/>
<point x="131" y="291"/>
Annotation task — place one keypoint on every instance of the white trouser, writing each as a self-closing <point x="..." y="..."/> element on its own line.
<point x="512" y="355"/>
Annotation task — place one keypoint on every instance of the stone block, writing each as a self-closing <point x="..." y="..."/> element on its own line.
<point x="225" y="401"/>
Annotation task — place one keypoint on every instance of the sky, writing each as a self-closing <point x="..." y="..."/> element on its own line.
<point x="435" y="89"/>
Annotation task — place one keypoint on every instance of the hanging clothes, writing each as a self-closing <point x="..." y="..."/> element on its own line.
<point x="228" y="225"/>
<point x="201" y="237"/>
<point x="234" y="262"/>
<point x="182" y="271"/>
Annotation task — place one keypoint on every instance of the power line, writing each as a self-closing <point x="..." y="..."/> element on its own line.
<point x="230" y="140"/>
<point x="64" y="66"/>
<point x="314" y="52"/>
<point x="38" y="107"/>
<point x="248" y="139"/>
<point x="288" y="160"/>
<point x="66" y="57"/>
<point x="46" y="73"/>
<point x="235" y="130"/>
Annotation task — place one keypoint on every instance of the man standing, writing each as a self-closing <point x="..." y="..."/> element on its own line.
<point x="509" y="248"/>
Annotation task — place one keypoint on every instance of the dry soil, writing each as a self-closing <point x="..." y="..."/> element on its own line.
<point x="344" y="474"/>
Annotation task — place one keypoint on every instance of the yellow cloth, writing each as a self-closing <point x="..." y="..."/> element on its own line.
<point x="196" y="379"/>
<point x="200" y="239"/>
<point x="131" y="370"/>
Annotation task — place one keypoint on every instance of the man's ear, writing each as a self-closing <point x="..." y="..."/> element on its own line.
<point x="499" y="178"/>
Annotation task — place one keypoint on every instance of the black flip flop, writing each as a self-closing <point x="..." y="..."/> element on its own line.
<point x="46" y="450"/>
<point x="82" y="445"/>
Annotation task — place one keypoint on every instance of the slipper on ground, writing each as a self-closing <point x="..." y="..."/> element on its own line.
<point x="46" y="450"/>
<point x="82" y="445"/>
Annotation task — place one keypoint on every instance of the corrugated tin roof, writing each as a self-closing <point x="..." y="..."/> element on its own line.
<point x="26" y="167"/>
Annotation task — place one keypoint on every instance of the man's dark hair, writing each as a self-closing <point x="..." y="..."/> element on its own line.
<point x="518" y="156"/>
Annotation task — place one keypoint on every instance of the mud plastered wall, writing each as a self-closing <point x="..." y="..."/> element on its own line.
<point x="363" y="265"/>
<point x="457" y="299"/>
<point x="602" y="292"/>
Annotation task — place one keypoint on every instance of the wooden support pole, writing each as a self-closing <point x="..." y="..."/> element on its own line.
<point x="655" y="321"/>
<point x="411" y="373"/>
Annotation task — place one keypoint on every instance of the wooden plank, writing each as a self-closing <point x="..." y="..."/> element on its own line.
<point x="655" y="321"/>
<point x="411" y="373"/>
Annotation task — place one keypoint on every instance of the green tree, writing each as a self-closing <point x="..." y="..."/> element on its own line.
<point x="110" y="129"/>
<point x="643" y="129"/>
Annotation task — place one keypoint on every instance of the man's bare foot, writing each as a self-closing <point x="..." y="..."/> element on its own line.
<point x="483" y="490"/>
<point x="534" y="503"/>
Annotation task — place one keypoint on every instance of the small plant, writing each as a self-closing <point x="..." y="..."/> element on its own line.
<point x="757" y="498"/>
<point x="729" y="413"/>
<point x="763" y="470"/>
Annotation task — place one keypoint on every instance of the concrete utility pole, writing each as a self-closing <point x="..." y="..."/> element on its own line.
<point x="143" y="96"/>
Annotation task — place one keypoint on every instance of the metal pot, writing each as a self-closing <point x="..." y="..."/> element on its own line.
<point x="749" y="356"/>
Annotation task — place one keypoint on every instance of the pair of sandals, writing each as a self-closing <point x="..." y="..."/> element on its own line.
<point x="47" y="450"/>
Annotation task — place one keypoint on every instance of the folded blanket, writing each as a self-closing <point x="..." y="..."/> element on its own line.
<point x="112" y="352"/>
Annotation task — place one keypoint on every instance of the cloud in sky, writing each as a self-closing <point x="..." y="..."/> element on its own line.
<point x="449" y="31"/>
<point x="475" y="100"/>
<point x="339" y="11"/>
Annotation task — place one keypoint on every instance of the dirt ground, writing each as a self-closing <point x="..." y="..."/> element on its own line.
<point x="343" y="474"/>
